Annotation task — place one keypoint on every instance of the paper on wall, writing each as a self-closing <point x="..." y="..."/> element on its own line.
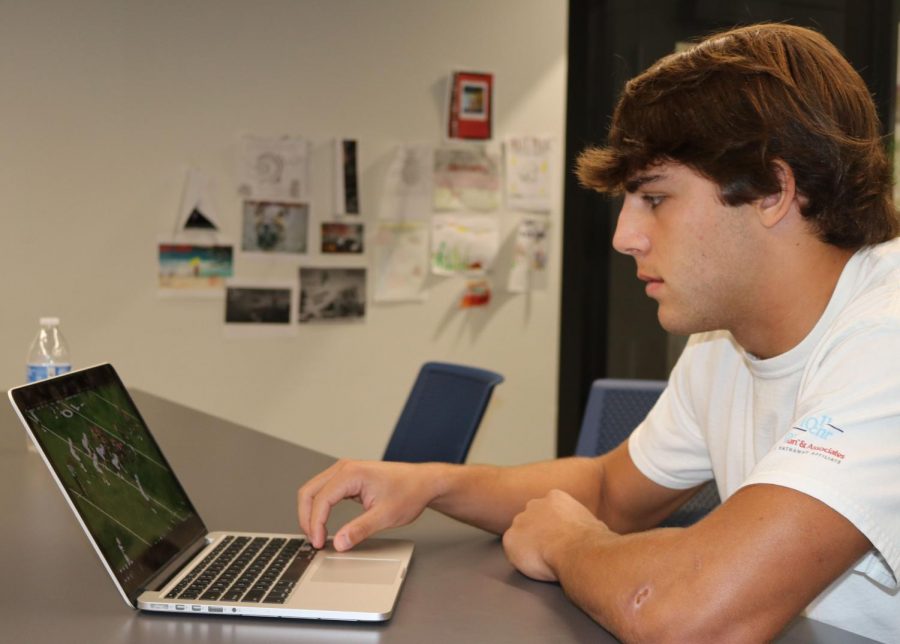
<point x="192" y="269"/>
<point x="260" y="309"/>
<point x="530" y="256"/>
<point x="273" y="168"/>
<point x="466" y="244"/>
<point x="528" y="173"/>
<point x="198" y="211"/>
<point x="332" y="295"/>
<point x="466" y="179"/>
<point x="408" y="185"/>
<point x="401" y="260"/>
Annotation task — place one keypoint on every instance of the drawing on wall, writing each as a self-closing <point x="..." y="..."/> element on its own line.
<point x="194" y="269"/>
<point x="332" y="294"/>
<point x="477" y="294"/>
<point x="274" y="227"/>
<point x="273" y="168"/>
<point x="198" y="211"/>
<point x="401" y="261"/>
<point x="408" y="191"/>
<point x="470" y="105"/>
<point x="346" y="189"/>
<point x="528" y="173"/>
<point x="464" y="244"/>
<point x="530" y="256"/>
<point x="466" y="179"/>
<point x="259" y="309"/>
<point x="338" y="237"/>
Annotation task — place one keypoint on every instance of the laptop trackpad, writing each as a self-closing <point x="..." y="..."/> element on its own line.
<point x="348" y="570"/>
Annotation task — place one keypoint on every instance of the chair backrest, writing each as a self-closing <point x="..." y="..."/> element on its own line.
<point x="442" y="414"/>
<point x="614" y="409"/>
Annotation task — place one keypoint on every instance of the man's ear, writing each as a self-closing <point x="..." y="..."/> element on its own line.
<point x="774" y="207"/>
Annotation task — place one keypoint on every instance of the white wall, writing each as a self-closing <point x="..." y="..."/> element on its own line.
<point x="105" y="103"/>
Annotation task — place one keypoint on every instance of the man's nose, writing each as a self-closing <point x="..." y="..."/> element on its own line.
<point x="631" y="237"/>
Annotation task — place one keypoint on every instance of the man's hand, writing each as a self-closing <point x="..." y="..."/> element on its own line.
<point x="392" y="494"/>
<point x="542" y="530"/>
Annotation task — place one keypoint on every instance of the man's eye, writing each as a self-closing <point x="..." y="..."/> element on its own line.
<point x="652" y="200"/>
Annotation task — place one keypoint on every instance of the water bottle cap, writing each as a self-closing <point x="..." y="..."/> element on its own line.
<point x="49" y="321"/>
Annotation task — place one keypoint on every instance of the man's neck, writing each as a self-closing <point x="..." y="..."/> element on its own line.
<point x="796" y="293"/>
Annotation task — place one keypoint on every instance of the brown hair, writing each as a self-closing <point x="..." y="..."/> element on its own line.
<point x="740" y="100"/>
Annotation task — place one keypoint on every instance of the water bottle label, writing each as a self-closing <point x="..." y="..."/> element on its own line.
<point x="43" y="371"/>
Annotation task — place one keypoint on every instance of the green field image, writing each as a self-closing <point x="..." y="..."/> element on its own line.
<point x="112" y="470"/>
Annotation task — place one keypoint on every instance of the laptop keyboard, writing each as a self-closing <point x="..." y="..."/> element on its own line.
<point x="247" y="569"/>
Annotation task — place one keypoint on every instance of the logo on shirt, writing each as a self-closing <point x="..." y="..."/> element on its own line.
<point x="819" y="426"/>
<point x="807" y="436"/>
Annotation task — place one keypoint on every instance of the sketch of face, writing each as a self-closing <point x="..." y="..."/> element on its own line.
<point x="269" y="168"/>
<point x="270" y="225"/>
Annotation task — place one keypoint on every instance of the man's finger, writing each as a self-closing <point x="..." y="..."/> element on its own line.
<point x="307" y="493"/>
<point x="333" y="492"/>
<point x="359" y="529"/>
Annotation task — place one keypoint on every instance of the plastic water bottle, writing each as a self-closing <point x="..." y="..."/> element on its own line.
<point x="49" y="353"/>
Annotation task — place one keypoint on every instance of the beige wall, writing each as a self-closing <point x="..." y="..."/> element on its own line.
<point x="106" y="103"/>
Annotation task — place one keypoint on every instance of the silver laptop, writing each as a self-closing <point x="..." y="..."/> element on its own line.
<point x="153" y="543"/>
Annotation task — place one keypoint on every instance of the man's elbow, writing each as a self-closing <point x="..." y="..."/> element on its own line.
<point x="683" y="616"/>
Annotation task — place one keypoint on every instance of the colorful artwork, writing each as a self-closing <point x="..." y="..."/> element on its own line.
<point x="463" y="243"/>
<point x="194" y="268"/>
<point x="274" y="227"/>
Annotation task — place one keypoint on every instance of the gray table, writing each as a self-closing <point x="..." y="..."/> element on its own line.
<point x="459" y="589"/>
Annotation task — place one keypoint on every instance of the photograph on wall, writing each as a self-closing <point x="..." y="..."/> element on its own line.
<point x="259" y="309"/>
<point x="346" y="184"/>
<point x="408" y="188"/>
<point x="470" y="106"/>
<point x="273" y="168"/>
<point x="463" y="244"/>
<point x="466" y="179"/>
<point x="274" y="228"/>
<point x="332" y="295"/>
<point x="340" y="238"/>
<point x="528" y="173"/>
<point x="401" y="261"/>
<point x="194" y="270"/>
<point x="531" y="254"/>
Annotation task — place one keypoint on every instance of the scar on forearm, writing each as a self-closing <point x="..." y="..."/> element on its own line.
<point x="641" y="595"/>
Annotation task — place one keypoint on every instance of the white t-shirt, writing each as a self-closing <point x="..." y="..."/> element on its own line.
<point x="823" y="418"/>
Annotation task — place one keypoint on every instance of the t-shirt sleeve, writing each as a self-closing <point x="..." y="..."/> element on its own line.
<point x="843" y="447"/>
<point x="668" y="447"/>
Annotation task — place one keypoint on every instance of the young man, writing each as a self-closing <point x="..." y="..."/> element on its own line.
<point x="757" y="206"/>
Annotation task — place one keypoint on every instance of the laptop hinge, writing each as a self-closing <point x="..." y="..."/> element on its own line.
<point x="161" y="578"/>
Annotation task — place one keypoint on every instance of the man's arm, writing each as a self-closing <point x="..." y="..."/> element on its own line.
<point x="394" y="494"/>
<point x="740" y="574"/>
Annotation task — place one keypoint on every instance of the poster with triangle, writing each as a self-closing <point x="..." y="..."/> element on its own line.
<point x="197" y="210"/>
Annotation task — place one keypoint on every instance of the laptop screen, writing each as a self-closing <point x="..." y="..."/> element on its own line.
<point x="112" y="470"/>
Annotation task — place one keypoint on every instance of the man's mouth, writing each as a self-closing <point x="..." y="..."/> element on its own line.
<point x="653" y="283"/>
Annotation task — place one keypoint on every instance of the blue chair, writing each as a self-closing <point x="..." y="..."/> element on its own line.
<point x="614" y="409"/>
<point x="442" y="414"/>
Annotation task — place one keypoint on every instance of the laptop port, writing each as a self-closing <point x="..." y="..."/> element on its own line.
<point x="216" y="609"/>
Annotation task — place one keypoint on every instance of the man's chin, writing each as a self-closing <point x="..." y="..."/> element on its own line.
<point x="676" y="325"/>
